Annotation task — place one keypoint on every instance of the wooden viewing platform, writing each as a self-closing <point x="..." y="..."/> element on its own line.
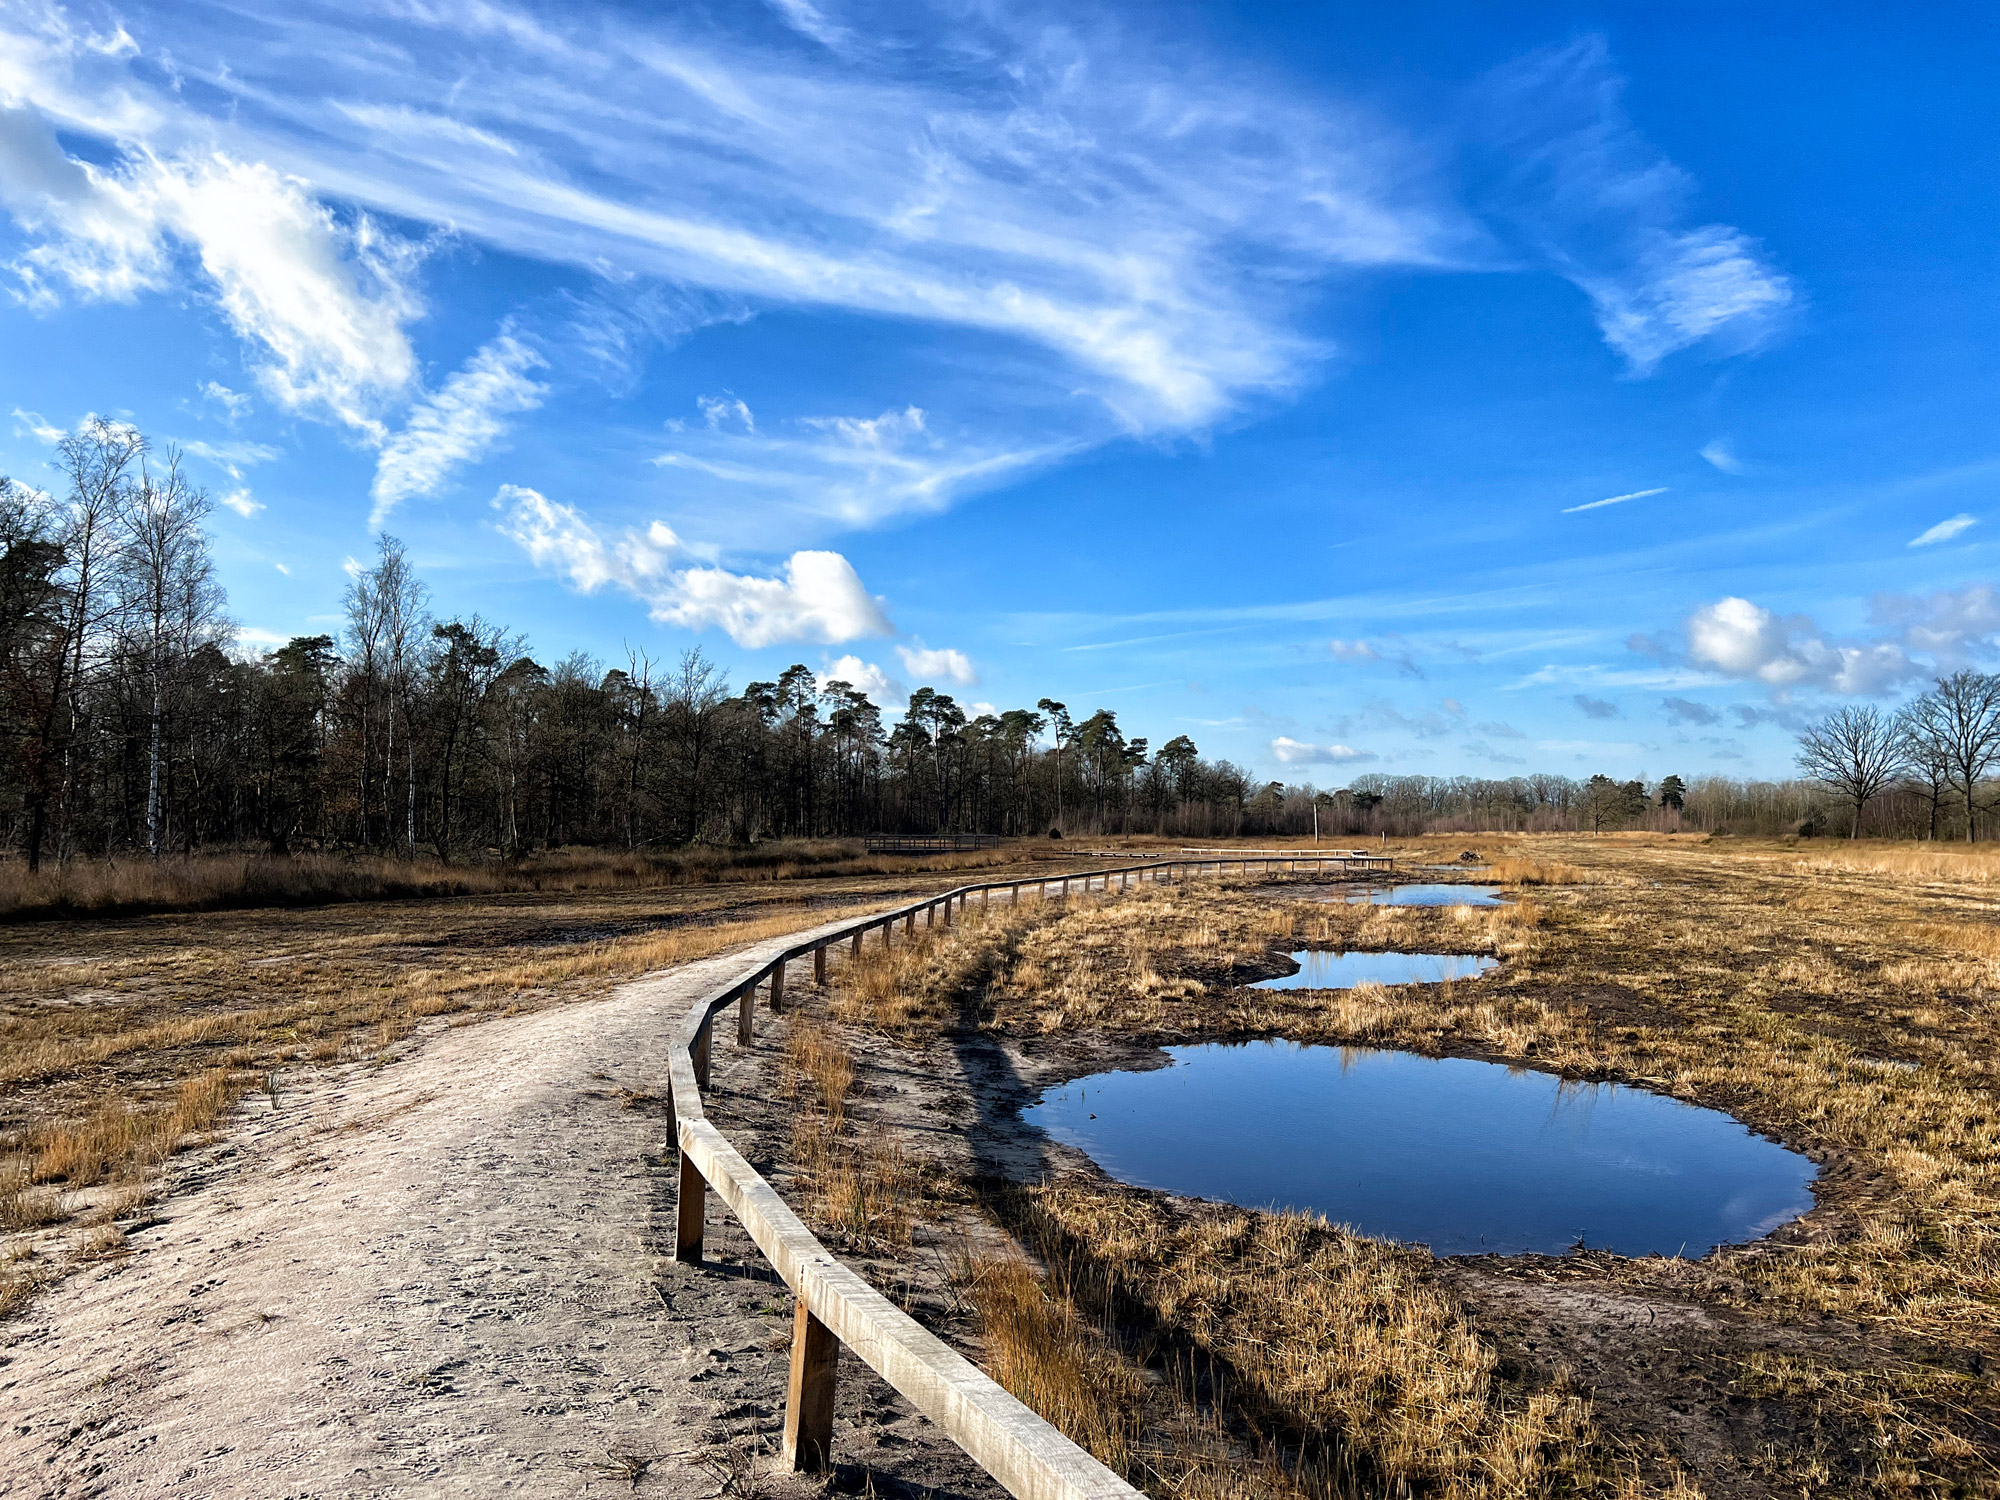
<point x="929" y="843"/>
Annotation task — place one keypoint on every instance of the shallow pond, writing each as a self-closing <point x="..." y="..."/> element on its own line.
<point x="1466" y="1157"/>
<point x="1343" y="971"/>
<point x="1425" y="895"/>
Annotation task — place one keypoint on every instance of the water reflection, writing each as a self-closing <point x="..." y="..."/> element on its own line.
<point x="1466" y="1157"/>
<point x="1424" y="895"/>
<point x="1343" y="971"/>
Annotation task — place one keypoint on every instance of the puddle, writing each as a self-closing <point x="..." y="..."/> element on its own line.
<point x="1424" y="895"/>
<point x="1466" y="1157"/>
<point x="1343" y="971"/>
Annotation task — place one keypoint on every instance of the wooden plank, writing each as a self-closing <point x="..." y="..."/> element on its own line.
<point x="692" y="1213"/>
<point x="778" y="985"/>
<point x="744" y="1034"/>
<point x="808" y="1443"/>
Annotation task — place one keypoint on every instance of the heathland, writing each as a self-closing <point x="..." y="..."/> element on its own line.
<point x="1838" y="999"/>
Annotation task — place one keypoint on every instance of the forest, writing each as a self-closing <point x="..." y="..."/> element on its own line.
<point x="129" y="723"/>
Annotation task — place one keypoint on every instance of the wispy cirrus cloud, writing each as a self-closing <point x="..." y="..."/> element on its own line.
<point x="324" y="301"/>
<point x="1586" y="194"/>
<point x="458" y="423"/>
<point x="1944" y="531"/>
<point x="818" y="598"/>
<point x="1721" y="454"/>
<point x="1108" y="231"/>
<point x="1071" y="197"/>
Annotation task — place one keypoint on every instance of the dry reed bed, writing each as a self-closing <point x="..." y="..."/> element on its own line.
<point x="1843" y="1016"/>
<point x="232" y="881"/>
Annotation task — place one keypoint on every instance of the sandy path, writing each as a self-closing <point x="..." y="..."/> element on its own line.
<point x="439" y="1277"/>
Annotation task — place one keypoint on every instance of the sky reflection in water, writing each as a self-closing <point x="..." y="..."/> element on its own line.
<point x="1466" y="1157"/>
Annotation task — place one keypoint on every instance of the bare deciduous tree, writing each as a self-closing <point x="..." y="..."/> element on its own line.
<point x="171" y="603"/>
<point x="1957" y="725"/>
<point x="1855" y="752"/>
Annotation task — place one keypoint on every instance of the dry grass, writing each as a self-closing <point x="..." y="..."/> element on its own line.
<point x="1040" y="1347"/>
<point x="860" y="1192"/>
<point x="112" y="1061"/>
<point x="232" y="881"/>
<point x="1939" y="863"/>
<point x="1338" y="1350"/>
<point x="918" y="987"/>
<point x="1831" y="1003"/>
<point x="1516" y="871"/>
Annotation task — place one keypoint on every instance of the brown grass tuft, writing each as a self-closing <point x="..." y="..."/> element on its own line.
<point x="1511" y="871"/>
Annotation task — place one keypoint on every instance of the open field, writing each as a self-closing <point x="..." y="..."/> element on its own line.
<point x="1841" y="1000"/>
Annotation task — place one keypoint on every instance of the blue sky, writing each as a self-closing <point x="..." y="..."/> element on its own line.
<point x="1453" y="389"/>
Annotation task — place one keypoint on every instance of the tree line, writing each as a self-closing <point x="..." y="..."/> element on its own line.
<point x="128" y="724"/>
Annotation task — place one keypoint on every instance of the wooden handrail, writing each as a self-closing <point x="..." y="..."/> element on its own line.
<point x="1025" y="1454"/>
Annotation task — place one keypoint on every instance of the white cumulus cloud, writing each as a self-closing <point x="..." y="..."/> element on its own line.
<point x="874" y="684"/>
<point x="954" y="666"/>
<point x="819" y="597"/>
<point x="242" y="502"/>
<point x="458" y="423"/>
<point x="1742" y="639"/>
<point x="1293" y="752"/>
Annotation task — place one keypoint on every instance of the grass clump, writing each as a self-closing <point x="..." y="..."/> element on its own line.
<point x="918" y="987"/>
<point x="1515" y="871"/>
<point x="1334" y="1357"/>
<point x="860" y="1191"/>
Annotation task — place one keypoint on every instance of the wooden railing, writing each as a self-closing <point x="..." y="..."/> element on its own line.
<point x="1030" y="1458"/>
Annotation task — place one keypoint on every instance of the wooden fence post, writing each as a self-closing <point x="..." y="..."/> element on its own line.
<point x="693" y="1211"/>
<point x="809" y="1394"/>
<point x="910" y="925"/>
<point x="744" y="1034"/>
<point x="701" y="1049"/>
<point x="778" y="985"/>
<point x="947" y="911"/>
<point x="819" y="964"/>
